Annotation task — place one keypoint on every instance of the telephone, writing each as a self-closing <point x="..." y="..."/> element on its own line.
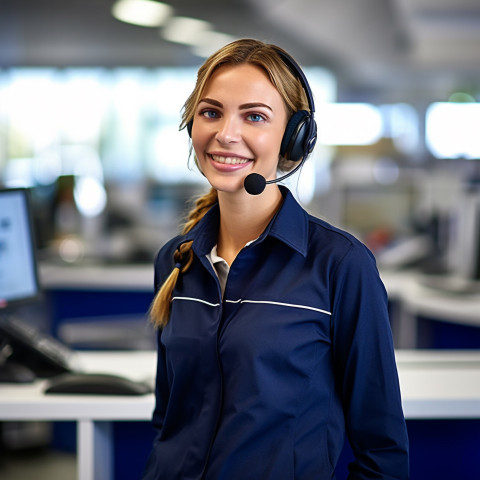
<point x="28" y="346"/>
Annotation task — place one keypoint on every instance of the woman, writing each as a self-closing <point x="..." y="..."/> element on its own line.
<point x="273" y="334"/>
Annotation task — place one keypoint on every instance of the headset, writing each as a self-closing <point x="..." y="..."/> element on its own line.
<point x="300" y="133"/>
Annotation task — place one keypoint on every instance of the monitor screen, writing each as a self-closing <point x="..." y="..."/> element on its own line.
<point x="18" y="269"/>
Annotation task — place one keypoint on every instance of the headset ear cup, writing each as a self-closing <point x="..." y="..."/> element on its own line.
<point x="295" y="136"/>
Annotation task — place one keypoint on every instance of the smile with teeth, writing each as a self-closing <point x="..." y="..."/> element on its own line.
<point x="229" y="160"/>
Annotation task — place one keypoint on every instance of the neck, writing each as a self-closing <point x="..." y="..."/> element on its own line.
<point x="243" y="218"/>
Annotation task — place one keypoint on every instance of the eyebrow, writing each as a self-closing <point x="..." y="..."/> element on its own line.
<point x="244" y="106"/>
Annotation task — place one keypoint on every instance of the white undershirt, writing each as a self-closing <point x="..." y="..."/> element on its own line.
<point x="220" y="266"/>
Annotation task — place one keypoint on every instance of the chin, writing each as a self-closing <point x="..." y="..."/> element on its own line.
<point x="228" y="186"/>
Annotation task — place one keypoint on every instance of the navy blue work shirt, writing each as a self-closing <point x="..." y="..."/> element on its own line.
<point x="262" y="383"/>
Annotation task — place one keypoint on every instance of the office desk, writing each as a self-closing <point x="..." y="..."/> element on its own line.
<point x="97" y="277"/>
<point x="439" y="384"/>
<point x="417" y="295"/>
<point x="434" y="384"/>
<point x="440" y="297"/>
<point x="93" y="414"/>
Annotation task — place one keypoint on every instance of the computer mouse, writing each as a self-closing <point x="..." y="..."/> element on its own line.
<point x="96" y="384"/>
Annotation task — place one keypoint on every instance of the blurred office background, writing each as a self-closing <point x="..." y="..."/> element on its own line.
<point x="90" y="106"/>
<point x="90" y="98"/>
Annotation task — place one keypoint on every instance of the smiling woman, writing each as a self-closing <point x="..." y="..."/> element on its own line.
<point x="238" y="127"/>
<point x="273" y="332"/>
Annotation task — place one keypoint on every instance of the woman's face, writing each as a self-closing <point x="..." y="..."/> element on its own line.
<point x="238" y="126"/>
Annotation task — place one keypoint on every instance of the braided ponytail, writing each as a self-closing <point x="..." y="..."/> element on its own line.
<point x="183" y="257"/>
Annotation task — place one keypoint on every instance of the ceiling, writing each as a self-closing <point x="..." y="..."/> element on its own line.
<point x="394" y="49"/>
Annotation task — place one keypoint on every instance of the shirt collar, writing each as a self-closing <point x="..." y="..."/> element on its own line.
<point x="290" y="225"/>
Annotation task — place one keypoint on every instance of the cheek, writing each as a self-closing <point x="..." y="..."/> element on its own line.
<point x="199" y="142"/>
<point x="268" y="144"/>
<point x="198" y="146"/>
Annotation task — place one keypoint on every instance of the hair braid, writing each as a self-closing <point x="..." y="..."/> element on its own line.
<point x="183" y="257"/>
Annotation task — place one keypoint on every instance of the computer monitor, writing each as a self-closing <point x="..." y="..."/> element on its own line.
<point x="18" y="267"/>
<point x="25" y="351"/>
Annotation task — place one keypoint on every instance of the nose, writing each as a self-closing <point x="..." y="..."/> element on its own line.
<point x="228" y="131"/>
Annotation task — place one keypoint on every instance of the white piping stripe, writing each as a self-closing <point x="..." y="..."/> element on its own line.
<point x="281" y="304"/>
<point x="292" y="305"/>
<point x="196" y="300"/>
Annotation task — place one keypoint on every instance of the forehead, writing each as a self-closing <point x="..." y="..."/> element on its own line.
<point x="245" y="80"/>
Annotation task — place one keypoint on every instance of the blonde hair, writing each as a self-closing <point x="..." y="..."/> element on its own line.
<point x="183" y="258"/>
<point x="239" y="52"/>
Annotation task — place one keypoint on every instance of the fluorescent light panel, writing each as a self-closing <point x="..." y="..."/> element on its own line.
<point x="349" y="124"/>
<point x="451" y="130"/>
<point x="185" y="30"/>
<point x="209" y="42"/>
<point x="145" y="13"/>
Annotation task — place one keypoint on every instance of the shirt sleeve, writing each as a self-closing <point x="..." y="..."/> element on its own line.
<point x="366" y="372"/>
<point x="163" y="268"/>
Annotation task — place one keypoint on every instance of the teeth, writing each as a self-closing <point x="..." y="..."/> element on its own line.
<point x="229" y="160"/>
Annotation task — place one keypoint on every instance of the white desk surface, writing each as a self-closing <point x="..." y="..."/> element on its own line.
<point x="434" y="384"/>
<point x="439" y="383"/>
<point x="28" y="402"/>
<point x="418" y="298"/>
<point x="130" y="277"/>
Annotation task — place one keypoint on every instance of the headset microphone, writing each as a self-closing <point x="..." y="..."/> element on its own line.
<point x="255" y="183"/>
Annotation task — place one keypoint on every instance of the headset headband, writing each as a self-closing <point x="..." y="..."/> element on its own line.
<point x="297" y="72"/>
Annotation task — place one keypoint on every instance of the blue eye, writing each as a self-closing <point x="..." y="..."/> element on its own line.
<point x="210" y="114"/>
<point x="255" y="117"/>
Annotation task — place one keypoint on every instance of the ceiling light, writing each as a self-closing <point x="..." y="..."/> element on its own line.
<point x="209" y="42"/>
<point x="146" y="13"/>
<point x="184" y="30"/>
